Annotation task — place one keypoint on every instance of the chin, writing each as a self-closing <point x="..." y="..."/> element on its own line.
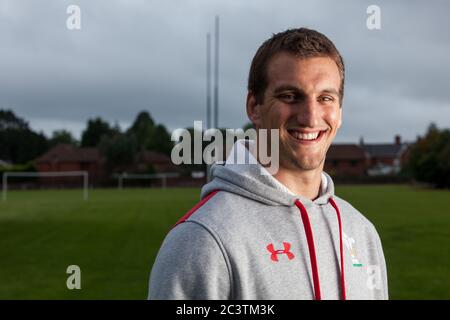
<point x="304" y="163"/>
<point x="308" y="164"/>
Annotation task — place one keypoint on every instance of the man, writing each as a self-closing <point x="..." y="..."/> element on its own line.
<point x="286" y="235"/>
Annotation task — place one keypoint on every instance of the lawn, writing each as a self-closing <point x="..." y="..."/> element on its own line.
<point x="115" y="235"/>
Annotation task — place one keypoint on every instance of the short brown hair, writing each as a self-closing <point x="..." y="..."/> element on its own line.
<point x="303" y="43"/>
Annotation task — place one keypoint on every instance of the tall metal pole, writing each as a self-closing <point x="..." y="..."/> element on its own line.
<point x="216" y="84"/>
<point x="216" y="76"/>
<point x="208" y="81"/>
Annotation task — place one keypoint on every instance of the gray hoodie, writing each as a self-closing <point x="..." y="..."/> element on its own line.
<point x="251" y="238"/>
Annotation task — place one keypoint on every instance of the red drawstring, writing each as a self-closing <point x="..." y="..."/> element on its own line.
<point x="312" y="250"/>
<point x="333" y="203"/>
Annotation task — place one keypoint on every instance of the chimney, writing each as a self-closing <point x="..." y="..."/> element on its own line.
<point x="398" y="140"/>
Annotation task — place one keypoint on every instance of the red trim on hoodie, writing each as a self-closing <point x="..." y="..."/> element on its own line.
<point x="195" y="208"/>
<point x="333" y="203"/>
<point x="312" y="249"/>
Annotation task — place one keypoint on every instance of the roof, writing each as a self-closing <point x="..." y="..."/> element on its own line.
<point x="383" y="150"/>
<point x="70" y="153"/>
<point x="346" y="152"/>
<point x="159" y="161"/>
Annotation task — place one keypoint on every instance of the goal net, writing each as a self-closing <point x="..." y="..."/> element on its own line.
<point x="139" y="176"/>
<point x="49" y="174"/>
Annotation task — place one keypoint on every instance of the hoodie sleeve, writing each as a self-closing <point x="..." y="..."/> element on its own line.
<point x="190" y="266"/>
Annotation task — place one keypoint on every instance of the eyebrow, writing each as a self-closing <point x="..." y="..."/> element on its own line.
<point x="288" y="87"/>
<point x="331" y="90"/>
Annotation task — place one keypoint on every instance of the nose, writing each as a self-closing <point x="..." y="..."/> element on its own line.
<point x="307" y="113"/>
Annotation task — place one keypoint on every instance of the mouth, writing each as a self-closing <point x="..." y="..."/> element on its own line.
<point x="306" y="137"/>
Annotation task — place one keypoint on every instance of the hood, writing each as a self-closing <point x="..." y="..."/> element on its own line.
<point x="252" y="180"/>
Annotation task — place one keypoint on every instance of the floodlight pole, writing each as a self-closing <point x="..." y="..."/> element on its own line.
<point x="216" y="76"/>
<point x="216" y="84"/>
<point x="208" y="81"/>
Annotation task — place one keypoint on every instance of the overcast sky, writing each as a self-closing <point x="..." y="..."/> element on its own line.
<point x="133" y="55"/>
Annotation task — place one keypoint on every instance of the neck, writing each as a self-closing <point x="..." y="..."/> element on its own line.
<point x="304" y="183"/>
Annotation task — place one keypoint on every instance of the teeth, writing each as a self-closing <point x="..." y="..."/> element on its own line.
<point x="305" y="136"/>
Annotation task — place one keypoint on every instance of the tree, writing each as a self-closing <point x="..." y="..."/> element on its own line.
<point x="143" y="129"/>
<point x="119" y="150"/>
<point x="429" y="158"/>
<point x="18" y="143"/>
<point x="62" y="136"/>
<point x="95" y="130"/>
<point x="8" y="120"/>
<point x="160" y="140"/>
<point x="149" y="135"/>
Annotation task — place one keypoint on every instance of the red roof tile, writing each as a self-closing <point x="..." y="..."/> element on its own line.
<point x="69" y="153"/>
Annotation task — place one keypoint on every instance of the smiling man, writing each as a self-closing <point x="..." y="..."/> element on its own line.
<point x="285" y="235"/>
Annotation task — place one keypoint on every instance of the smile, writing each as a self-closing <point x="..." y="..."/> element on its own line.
<point x="306" y="137"/>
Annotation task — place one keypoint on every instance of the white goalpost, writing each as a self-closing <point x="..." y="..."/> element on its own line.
<point x="7" y="175"/>
<point x="136" y="176"/>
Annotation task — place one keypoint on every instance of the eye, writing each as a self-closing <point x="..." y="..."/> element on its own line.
<point x="326" y="99"/>
<point x="288" y="97"/>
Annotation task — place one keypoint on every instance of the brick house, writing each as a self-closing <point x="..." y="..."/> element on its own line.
<point x="346" y="160"/>
<point x="66" y="157"/>
<point x="366" y="159"/>
<point x="385" y="158"/>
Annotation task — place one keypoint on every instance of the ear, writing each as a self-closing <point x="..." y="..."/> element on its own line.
<point x="253" y="110"/>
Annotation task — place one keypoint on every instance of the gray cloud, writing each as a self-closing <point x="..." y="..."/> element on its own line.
<point x="135" y="55"/>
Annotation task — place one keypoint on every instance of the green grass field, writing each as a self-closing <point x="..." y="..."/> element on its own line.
<point x="115" y="235"/>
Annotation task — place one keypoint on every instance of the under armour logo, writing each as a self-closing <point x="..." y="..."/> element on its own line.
<point x="286" y="251"/>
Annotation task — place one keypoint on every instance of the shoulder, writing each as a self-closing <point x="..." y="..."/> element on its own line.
<point x="189" y="235"/>
<point x="190" y="265"/>
<point x="222" y="209"/>
<point x="191" y="243"/>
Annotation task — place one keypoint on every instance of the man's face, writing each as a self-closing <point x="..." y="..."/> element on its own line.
<point x="302" y="101"/>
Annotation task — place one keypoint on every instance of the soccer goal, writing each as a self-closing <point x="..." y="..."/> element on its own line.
<point x="7" y="175"/>
<point x="137" y="176"/>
